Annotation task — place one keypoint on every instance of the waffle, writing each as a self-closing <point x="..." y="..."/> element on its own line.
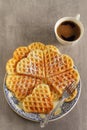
<point x="20" y="53"/>
<point x="56" y="63"/>
<point x="72" y="96"/>
<point x="53" y="48"/>
<point x="11" y="66"/>
<point x="55" y="95"/>
<point x="36" y="45"/>
<point x="59" y="82"/>
<point x="39" y="101"/>
<point x="33" y="65"/>
<point x="21" y="85"/>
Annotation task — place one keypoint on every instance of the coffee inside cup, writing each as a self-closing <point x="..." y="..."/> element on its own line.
<point x="69" y="31"/>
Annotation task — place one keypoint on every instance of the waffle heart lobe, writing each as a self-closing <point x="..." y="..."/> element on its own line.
<point x="36" y="45"/>
<point x="32" y="65"/>
<point x="20" y="52"/>
<point x="40" y="101"/>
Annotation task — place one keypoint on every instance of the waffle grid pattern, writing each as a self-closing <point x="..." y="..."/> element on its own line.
<point x="36" y="71"/>
<point x="39" y="101"/>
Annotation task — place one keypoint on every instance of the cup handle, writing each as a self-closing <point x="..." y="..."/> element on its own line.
<point x="77" y="16"/>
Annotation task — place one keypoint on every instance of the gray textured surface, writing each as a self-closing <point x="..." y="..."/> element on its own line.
<point x="25" y="21"/>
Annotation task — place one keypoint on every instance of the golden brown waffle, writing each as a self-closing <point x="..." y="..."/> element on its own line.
<point x="36" y="45"/>
<point x="55" y="95"/>
<point x="40" y="101"/>
<point x="59" y="82"/>
<point x="20" y="53"/>
<point x="21" y="85"/>
<point x="72" y="96"/>
<point x="56" y="63"/>
<point x="53" y="48"/>
<point x="11" y="66"/>
<point x="33" y="65"/>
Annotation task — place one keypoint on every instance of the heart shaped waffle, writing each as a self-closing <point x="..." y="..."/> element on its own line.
<point x="18" y="54"/>
<point x="61" y="81"/>
<point x="33" y="65"/>
<point x="21" y="85"/>
<point x="56" y="63"/>
<point x="39" y="101"/>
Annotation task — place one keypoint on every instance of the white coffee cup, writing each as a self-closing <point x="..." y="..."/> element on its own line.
<point x="75" y="20"/>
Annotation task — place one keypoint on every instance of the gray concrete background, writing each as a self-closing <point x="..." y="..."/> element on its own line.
<point x="25" y="21"/>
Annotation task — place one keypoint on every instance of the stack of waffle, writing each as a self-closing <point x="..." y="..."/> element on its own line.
<point x="38" y="74"/>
